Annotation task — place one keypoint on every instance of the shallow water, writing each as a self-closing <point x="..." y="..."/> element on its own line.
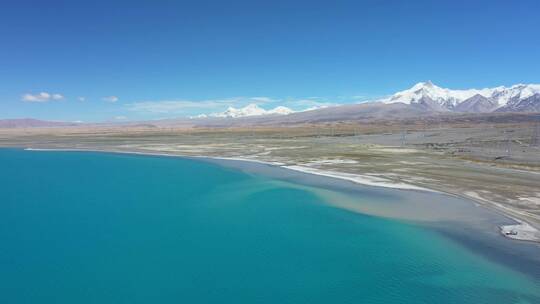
<point x="107" y="228"/>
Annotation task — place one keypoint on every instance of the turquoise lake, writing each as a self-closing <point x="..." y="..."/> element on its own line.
<point x="83" y="227"/>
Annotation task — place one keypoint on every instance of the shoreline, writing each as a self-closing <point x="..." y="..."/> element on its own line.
<point x="521" y="230"/>
<point x="358" y="179"/>
<point x="355" y="178"/>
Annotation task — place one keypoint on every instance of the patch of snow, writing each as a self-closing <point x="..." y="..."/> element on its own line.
<point x="357" y="178"/>
<point x="252" y="110"/>
<point x="520" y="231"/>
<point x="502" y="95"/>
<point x="331" y="162"/>
<point x="530" y="199"/>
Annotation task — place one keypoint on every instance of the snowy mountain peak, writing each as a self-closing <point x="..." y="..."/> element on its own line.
<point x="281" y="110"/>
<point x="428" y="95"/>
<point x="252" y="110"/>
<point x="420" y="91"/>
<point x="423" y="85"/>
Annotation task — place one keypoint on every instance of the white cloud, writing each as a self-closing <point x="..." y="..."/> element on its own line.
<point x="357" y="97"/>
<point x="41" y="97"/>
<point x="309" y="104"/>
<point x="110" y="98"/>
<point x="120" y="117"/>
<point x="190" y="106"/>
<point x="262" y="99"/>
<point x="171" y="106"/>
<point x="81" y="98"/>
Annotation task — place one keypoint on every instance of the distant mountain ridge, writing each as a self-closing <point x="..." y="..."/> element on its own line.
<point x="422" y="100"/>
<point x="249" y="110"/>
<point x="32" y="123"/>
<point x="517" y="98"/>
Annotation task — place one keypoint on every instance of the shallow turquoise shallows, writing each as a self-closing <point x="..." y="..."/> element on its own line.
<point x="110" y="228"/>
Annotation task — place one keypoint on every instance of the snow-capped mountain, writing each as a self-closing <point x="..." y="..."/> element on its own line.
<point x="423" y="98"/>
<point x="252" y="110"/>
<point x="520" y="98"/>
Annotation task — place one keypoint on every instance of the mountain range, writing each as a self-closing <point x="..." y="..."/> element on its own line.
<point x="426" y="95"/>
<point x="422" y="100"/>
<point x="33" y="123"/>
<point x="249" y="110"/>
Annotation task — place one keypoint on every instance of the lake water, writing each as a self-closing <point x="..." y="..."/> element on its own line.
<point x="82" y="227"/>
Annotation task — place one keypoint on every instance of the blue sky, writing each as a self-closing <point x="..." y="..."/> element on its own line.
<point x="160" y="59"/>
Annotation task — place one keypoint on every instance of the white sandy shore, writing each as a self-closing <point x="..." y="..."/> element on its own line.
<point x="244" y="159"/>
<point x="520" y="231"/>
<point x="357" y="178"/>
